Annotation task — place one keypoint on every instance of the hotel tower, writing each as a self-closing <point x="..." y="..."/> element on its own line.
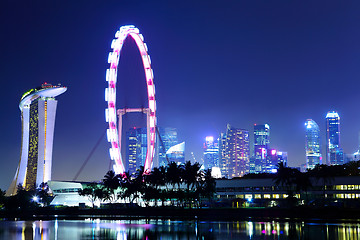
<point x="38" y="109"/>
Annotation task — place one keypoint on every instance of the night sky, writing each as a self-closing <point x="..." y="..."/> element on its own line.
<point x="214" y="62"/>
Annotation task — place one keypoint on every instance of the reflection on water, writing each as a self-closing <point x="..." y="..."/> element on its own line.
<point x="166" y="229"/>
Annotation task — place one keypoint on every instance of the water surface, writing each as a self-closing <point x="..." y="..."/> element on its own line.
<point x="166" y="229"/>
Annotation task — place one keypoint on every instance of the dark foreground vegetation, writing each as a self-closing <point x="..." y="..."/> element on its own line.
<point x="183" y="192"/>
<point x="180" y="185"/>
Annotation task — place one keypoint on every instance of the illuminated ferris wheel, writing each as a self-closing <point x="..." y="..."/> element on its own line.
<point x="114" y="115"/>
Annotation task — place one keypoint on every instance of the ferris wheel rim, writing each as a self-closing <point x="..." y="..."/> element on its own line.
<point x="110" y="96"/>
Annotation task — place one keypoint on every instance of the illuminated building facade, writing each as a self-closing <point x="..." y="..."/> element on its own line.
<point x="261" y="146"/>
<point x="211" y="152"/>
<point x="334" y="154"/>
<point x="273" y="159"/>
<point x="167" y="139"/>
<point x="177" y="153"/>
<point x="237" y="153"/>
<point x="136" y="148"/>
<point x="223" y="160"/>
<point x="312" y="144"/>
<point x="38" y="110"/>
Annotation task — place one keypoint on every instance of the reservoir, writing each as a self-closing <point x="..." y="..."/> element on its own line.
<point x="169" y="229"/>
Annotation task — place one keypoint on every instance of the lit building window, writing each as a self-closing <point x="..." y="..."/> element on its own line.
<point x="339" y="195"/>
<point x="257" y="196"/>
<point x="248" y="196"/>
<point x="276" y="195"/>
<point x="267" y="196"/>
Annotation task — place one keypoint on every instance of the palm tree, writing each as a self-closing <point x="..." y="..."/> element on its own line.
<point x="91" y="191"/>
<point x="325" y="174"/>
<point x="352" y="168"/>
<point x="111" y="183"/>
<point x="303" y="183"/>
<point x="43" y="192"/>
<point x="191" y="174"/>
<point x="285" y="177"/>
<point x="133" y="185"/>
<point x="207" y="187"/>
<point x="157" y="177"/>
<point x="173" y="174"/>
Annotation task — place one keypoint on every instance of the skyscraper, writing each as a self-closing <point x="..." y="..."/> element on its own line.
<point x="237" y="152"/>
<point x="211" y="152"/>
<point x="38" y="110"/>
<point x="223" y="159"/>
<point x="261" y="146"/>
<point x="334" y="154"/>
<point x="275" y="157"/>
<point x="136" y="148"/>
<point x="167" y="139"/>
<point x="312" y="144"/>
<point x="177" y="153"/>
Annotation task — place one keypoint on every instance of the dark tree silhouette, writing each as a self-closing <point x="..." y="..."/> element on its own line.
<point x="111" y="183"/>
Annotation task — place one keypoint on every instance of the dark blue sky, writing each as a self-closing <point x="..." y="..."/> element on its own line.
<point x="215" y="62"/>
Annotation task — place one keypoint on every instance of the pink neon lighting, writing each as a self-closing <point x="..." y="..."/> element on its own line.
<point x="110" y="96"/>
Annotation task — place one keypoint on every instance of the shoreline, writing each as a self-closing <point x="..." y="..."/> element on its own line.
<point x="298" y="214"/>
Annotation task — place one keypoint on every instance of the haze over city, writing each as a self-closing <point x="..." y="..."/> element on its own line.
<point x="214" y="63"/>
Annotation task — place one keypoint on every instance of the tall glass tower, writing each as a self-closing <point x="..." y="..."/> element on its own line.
<point x="237" y="152"/>
<point x="38" y="110"/>
<point x="168" y="138"/>
<point x="211" y="152"/>
<point x="136" y="148"/>
<point x="223" y="159"/>
<point x="334" y="154"/>
<point x="312" y="144"/>
<point x="261" y="146"/>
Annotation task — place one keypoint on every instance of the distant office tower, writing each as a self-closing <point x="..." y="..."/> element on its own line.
<point x="261" y="146"/>
<point x="312" y="144"/>
<point x="274" y="158"/>
<point x="357" y="153"/>
<point x="334" y="153"/>
<point x="237" y="152"/>
<point x="167" y="139"/>
<point x="223" y="159"/>
<point x="177" y="153"/>
<point x="136" y="148"/>
<point x="211" y="152"/>
<point x="38" y="110"/>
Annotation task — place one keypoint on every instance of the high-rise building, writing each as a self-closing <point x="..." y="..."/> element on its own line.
<point x="38" y="110"/>
<point x="136" y="148"/>
<point x="223" y="159"/>
<point x="312" y="144"/>
<point x="167" y="139"/>
<point x="177" y="153"/>
<point x="211" y="152"/>
<point x="261" y="146"/>
<point x="275" y="157"/>
<point x="334" y="154"/>
<point x="357" y="153"/>
<point x="237" y="152"/>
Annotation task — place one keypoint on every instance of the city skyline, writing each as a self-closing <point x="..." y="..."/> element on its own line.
<point x="239" y="63"/>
